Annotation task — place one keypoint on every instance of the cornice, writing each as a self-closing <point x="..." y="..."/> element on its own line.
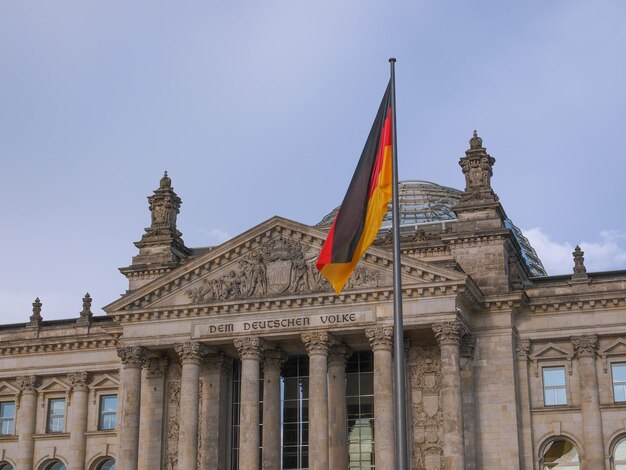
<point x="514" y="301"/>
<point x="578" y="302"/>
<point x="51" y="345"/>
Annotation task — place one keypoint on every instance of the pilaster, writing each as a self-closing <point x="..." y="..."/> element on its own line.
<point x="78" y="419"/>
<point x="26" y="417"/>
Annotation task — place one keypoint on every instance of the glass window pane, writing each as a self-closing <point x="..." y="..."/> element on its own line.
<point x="561" y="396"/>
<point x="553" y="376"/>
<point x="619" y="392"/>
<point x="619" y="372"/>
<point x="620" y="452"/>
<point x="561" y="452"/>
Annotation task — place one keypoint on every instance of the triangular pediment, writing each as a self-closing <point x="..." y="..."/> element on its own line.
<point x="551" y="351"/>
<point x="53" y="385"/>
<point x="7" y="389"/>
<point x="274" y="259"/>
<point x="104" y="382"/>
<point x="616" y="348"/>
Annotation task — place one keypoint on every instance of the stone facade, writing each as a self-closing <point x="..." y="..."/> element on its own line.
<point x="505" y="369"/>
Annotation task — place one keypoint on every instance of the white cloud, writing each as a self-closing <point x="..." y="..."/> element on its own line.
<point x="606" y="253"/>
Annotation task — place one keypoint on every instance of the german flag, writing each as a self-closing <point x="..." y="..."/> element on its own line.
<point x="361" y="213"/>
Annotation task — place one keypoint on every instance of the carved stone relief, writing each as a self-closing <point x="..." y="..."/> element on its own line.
<point x="173" y="411"/>
<point x="425" y="381"/>
<point x="280" y="267"/>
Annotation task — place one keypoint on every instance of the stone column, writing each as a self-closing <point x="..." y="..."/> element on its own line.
<point x="467" y="394"/>
<point x="250" y="351"/>
<point x="151" y="414"/>
<point x="26" y="418"/>
<point x="191" y="356"/>
<point x="317" y="344"/>
<point x="78" y="419"/>
<point x="337" y="413"/>
<point x="215" y="411"/>
<point x="381" y="342"/>
<point x="272" y="362"/>
<point x="586" y="347"/>
<point x="449" y="335"/>
<point x="128" y="407"/>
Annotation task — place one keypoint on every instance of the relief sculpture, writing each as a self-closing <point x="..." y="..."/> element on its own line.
<point x="278" y="268"/>
<point x="425" y="379"/>
<point x="173" y="408"/>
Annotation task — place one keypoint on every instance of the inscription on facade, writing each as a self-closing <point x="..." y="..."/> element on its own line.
<point x="284" y="324"/>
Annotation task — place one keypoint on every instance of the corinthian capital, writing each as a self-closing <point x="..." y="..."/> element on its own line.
<point x="132" y="356"/>
<point x="585" y="345"/>
<point x="316" y="342"/>
<point x="449" y="332"/>
<point x="155" y="366"/>
<point x="381" y="338"/>
<point x="191" y="352"/>
<point x="27" y="383"/>
<point x="78" y="380"/>
<point x="250" y="347"/>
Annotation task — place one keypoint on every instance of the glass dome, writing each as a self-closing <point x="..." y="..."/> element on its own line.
<point x="423" y="202"/>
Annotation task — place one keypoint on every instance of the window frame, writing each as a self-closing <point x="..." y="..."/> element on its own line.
<point x="621" y="384"/>
<point x="102" y="414"/>
<point x="3" y="419"/>
<point x="49" y="401"/>
<point x="553" y="388"/>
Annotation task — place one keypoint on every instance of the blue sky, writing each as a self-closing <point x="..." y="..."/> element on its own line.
<point x="262" y="108"/>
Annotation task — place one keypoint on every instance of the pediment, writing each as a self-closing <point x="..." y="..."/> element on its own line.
<point x="551" y="351"/>
<point x="8" y="389"/>
<point x="53" y="385"/>
<point x="616" y="348"/>
<point x="104" y="382"/>
<point x="274" y="259"/>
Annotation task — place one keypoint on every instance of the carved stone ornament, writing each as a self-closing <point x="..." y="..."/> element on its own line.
<point x="250" y="347"/>
<point x="273" y="359"/>
<point x="522" y="347"/>
<point x="449" y="332"/>
<point x="27" y="383"/>
<point x="419" y="235"/>
<point x="164" y="206"/>
<point x="585" y="345"/>
<point x="380" y="338"/>
<point x="339" y="355"/>
<point x="78" y="380"/>
<point x="477" y="167"/>
<point x="278" y="268"/>
<point x="173" y="409"/>
<point x="155" y="366"/>
<point x="316" y="342"/>
<point x="580" y="271"/>
<point x="36" y="318"/>
<point x="132" y="356"/>
<point x="86" y="313"/>
<point x="191" y="352"/>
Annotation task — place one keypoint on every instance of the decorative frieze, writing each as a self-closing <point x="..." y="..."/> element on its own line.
<point x="316" y="342"/>
<point x="585" y="345"/>
<point x="191" y="351"/>
<point x="449" y="332"/>
<point x="250" y="347"/>
<point x="132" y="356"/>
<point x="380" y="338"/>
<point x="78" y="380"/>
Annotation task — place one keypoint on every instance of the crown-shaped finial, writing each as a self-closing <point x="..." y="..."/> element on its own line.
<point x="36" y="318"/>
<point x="165" y="182"/>
<point x="476" y="142"/>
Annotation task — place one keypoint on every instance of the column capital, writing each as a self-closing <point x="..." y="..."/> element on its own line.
<point x="339" y="355"/>
<point x="27" y="383"/>
<point x="250" y="347"/>
<point x="155" y="366"/>
<point x="273" y="359"/>
<point x="78" y="380"/>
<point x="317" y="342"/>
<point x="380" y="338"/>
<point x="132" y="356"/>
<point x="585" y="345"/>
<point x="522" y="346"/>
<point x="191" y="352"/>
<point x="449" y="332"/>
<point x="220" y="360"/>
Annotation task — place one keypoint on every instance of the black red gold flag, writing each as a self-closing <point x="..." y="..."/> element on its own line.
<point x="361" y="213"/>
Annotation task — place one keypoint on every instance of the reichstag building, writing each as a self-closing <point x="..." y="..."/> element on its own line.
<point x="240" y="356"/>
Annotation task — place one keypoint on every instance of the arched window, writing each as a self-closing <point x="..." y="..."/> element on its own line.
<point x="108" y="464"/>
<point x="619" y="455"/>
<point x="560" y="454"/>
<point x="5" y="466"/>
<point x="55" y="465"/>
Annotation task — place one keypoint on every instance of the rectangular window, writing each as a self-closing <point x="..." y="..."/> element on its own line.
<point x="618" y="370"/>
<point x="554" y="391"/>
<point x="108" y="412"/>
<point x="56" y="415"/>
<point x="360" y="408"/>
<point x="7" y="417"/>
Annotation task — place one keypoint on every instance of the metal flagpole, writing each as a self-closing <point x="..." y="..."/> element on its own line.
<point x="402" y="462"/>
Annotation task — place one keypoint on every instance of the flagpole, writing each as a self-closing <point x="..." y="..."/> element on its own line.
<point x="398" y="327"/>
